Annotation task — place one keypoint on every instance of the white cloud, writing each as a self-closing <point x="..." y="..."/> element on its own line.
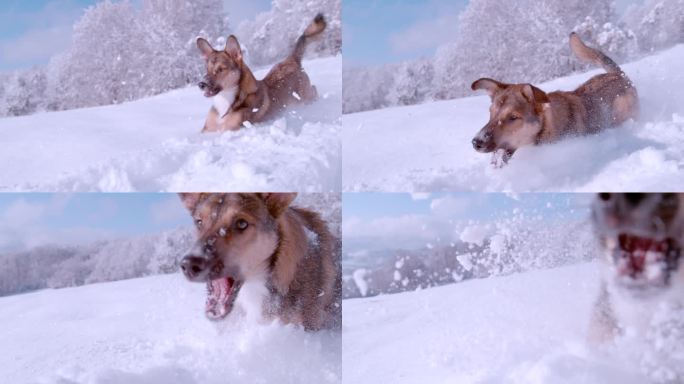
<point x="455" y="206"/>
<point x="420" y="196"/>
<point x="48" y="32"/>
<point x="23" y="225"/>
<point x="426" y="33"/>
<point x="168" y="209"/>
<point x="37" y="45"/>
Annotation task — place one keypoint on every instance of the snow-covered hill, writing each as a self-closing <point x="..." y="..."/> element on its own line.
<point x="522" y="328"/>
<point x="428" y="147"/>
<point x="155" y="144"/>
<point x="151" y="330"/>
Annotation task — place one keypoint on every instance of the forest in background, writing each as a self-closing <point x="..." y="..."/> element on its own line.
<point x="515" y="41"/>
<point x="121" y="52"/>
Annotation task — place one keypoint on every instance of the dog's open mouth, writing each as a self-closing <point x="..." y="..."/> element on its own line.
<point x="221" y="294"/>
<point x="643" y="262"/>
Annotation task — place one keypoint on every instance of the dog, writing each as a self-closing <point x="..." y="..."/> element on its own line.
<point x="281" y="260"/>
<point x="642" y="236"/>
<point x="239" y="98"/>
<point x="522" y="114"/>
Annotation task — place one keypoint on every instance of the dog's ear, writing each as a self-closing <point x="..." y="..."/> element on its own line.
<point x="233" y="47"/>
<point x="277" y="203"/>
<point x="489" y="85"/>
<point x="204" y="47"/>
<point x="535" y="96"/>
<point x="190" y="200"/>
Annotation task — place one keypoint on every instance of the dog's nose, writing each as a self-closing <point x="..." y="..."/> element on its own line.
<point x="193" y="266"/>
<point x="478" y="144"/>
<point x="634" y="199"/>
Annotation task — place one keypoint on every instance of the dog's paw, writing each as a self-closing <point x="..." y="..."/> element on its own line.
<point x="500" y="158"/>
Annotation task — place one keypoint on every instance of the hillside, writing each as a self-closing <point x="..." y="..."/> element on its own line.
<point x="155" y="144"/>
<point x="428" y="147"/>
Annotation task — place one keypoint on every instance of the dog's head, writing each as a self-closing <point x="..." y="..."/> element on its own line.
<point x="237" y="236"/>
<point x="224" y="67"/>
<point x="515" y="116"/>
<point x="642" y="234"/>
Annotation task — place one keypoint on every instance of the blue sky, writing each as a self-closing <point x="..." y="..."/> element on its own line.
<point x="28" y="220"/>
<point x="32" y="31"/>
<point x="400" y="220"/>
<point x="383" y="31"/>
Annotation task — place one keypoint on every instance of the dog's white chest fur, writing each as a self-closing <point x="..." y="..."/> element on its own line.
<point x="224" y="100"/>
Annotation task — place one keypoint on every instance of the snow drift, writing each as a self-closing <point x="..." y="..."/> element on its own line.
<point x="151" y="330"/>
<point x="155" y="144"/>
<point x="428" y="147"/>
<point x="522" y="328"/>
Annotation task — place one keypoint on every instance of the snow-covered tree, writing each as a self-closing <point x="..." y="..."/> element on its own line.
<point x="366" y="88"/>
<point x="615" y="40"/>
<point x="658" y="24"/>
<point x="412" y="83"/>
<point x="525" y="40"/>
<point x="272" y="34"/>
<point x="23" y="92"/>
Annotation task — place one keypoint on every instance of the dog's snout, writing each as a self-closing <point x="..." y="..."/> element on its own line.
<point x="193" y="266"/>
<point x="482" y="140"/>
<point x="478" y="144"/>
<point x="634" y="199"/>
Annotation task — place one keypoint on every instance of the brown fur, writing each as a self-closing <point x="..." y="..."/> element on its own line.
<point x="303" y="274"/>
<point x="255" y="100"/>
<point x="522" y="114"/>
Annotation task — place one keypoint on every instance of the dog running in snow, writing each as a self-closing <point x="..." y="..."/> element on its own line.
<point x="255" y="250"/>
<point x="641" y="235"/>
<point x="239" y="98"/>
<point x="522" y="114"/>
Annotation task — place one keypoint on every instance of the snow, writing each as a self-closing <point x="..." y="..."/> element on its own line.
<point x="474" y="234"/>
<point x="428" y="147"/>
<point x="359" y="277"/>
<point x="523" y="328"/>
<point x="151" y="330"/>
<point x="155" y="144"/>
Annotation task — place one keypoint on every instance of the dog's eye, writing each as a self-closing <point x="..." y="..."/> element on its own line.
<point x="198" y="222"/>
<point x="513" y="118"/>
<point x="241" y="224"/>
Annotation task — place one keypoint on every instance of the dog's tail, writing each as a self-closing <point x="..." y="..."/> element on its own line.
<point x="592" y="55"/>
<point x="317" y="26"/>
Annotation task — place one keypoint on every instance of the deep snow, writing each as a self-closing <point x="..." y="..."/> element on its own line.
<point x="155" y="144"/>
<point x="523" y="328"/>
<point x="428" y="147"/>
<point x="151" y="330"/>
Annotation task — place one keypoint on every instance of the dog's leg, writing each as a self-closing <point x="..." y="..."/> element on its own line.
<point x="211" y="124"/>
<point x="603" y="327"/>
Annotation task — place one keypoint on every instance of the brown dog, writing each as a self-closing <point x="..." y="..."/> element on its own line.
<point x="522" y="114"/>
<point x="255" y="246"/>
<point x="642" y="235"/>
<point x="239" y="97"/>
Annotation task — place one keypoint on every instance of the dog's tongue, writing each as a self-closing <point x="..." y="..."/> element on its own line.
<point x="637" y="250"/>
<point x="218" y="298"/>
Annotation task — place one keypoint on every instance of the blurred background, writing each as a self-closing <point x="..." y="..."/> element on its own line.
<point x="396" y="242"/>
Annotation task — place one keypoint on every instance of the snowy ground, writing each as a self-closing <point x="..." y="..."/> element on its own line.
<point x="428" y="147"/>
<point x="155" y="144"/>
<point x="525" y="328"/>
<point x="151" y="330"/>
